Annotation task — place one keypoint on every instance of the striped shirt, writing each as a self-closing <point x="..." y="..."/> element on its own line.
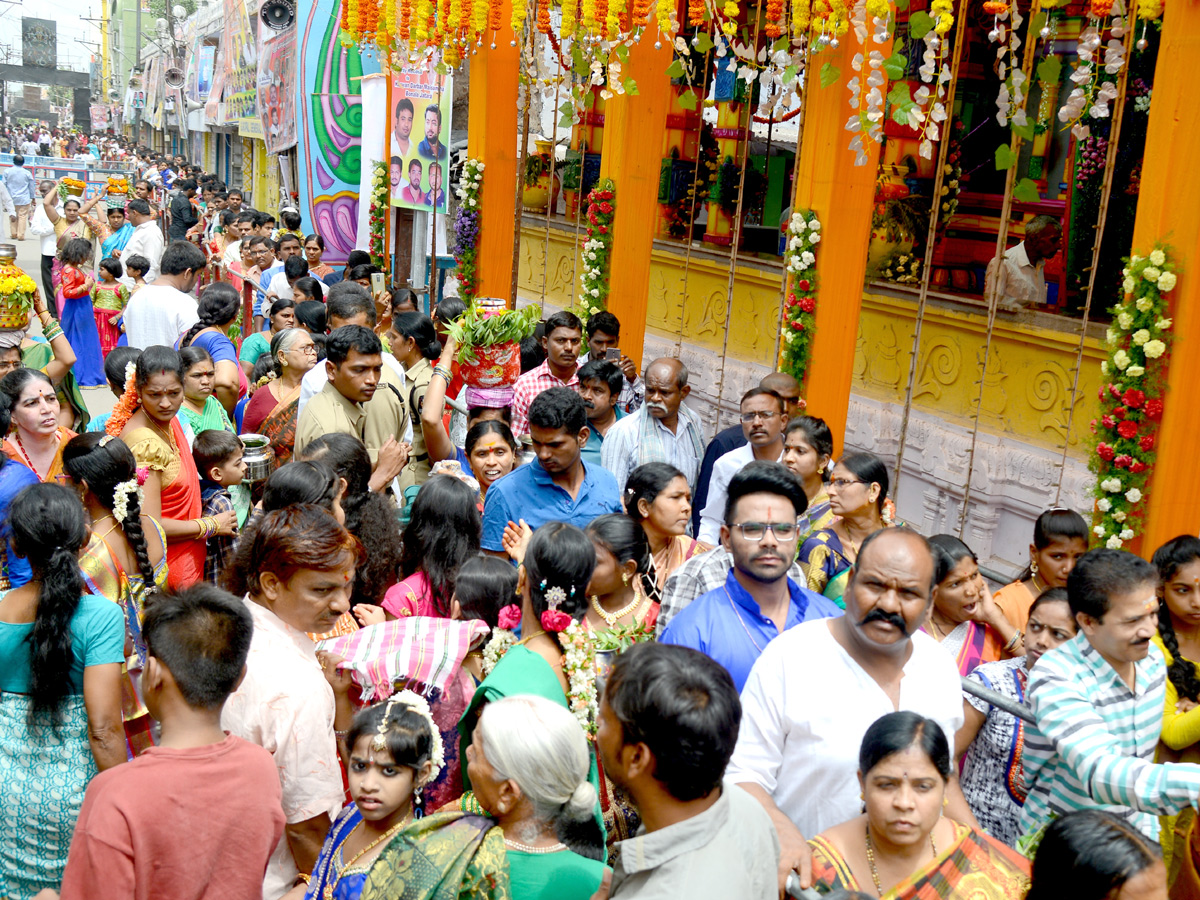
<point x="1093" y="745"/>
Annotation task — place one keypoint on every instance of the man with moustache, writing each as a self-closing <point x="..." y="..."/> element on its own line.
<point x="1098" y="700"/>
<point x="563" y="335"/>
<point x="763" y="420"/>
<point x="758" y="602"/>
<point x="818" y="687"/>
<point x="662" y="430"/>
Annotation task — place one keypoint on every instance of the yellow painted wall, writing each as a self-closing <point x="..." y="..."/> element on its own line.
<point x="1031" y="368"/>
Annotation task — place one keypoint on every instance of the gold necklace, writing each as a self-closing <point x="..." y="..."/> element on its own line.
<point x="614" y="617"/>
<point x="340" y="870"/>
<point x="871" y="858"/>
<point x="530" y="638"/>
<point x="166" y="433"/>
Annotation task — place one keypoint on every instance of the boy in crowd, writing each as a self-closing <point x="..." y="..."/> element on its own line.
<point x="218" y="455"/>
<point x="199" y="815"/>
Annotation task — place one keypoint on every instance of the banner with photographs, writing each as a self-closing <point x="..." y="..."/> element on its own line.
<point x="276" y="91"/>
<point x="419" y="125"/>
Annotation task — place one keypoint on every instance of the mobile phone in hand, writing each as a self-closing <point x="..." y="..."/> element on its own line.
<point x="377" y="282"/>
<point x="613" y="354"/>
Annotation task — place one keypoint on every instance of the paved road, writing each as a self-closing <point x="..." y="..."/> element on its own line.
<point x="29" y="258"/>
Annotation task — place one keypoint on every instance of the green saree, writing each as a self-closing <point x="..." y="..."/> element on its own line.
<point x="443" y="856"/>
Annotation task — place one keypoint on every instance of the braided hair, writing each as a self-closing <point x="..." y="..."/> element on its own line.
<point x="1169" y="559"/>
<point x="220" y="304"/>
<point x="48" y="529"/>
<point x="105" y="462"/>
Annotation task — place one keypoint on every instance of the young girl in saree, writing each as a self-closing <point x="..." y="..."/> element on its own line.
<point x="393" y="751"/>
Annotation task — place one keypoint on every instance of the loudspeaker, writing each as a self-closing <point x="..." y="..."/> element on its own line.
<point x="174" y="77"/>
<point x="278" y="14"/>
<point x="114" y="95"/>
<point x="193" y="105"/>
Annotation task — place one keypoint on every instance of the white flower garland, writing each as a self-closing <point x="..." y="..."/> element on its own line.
<point x="579" y="665"/>
<point x="419" y="705"/>
<point x="121" y="498"/>
<point x="498" y="644"/>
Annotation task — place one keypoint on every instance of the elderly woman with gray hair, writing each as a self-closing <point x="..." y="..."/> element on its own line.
<point x="528" y="765"/>
<point x="274" y="405"/>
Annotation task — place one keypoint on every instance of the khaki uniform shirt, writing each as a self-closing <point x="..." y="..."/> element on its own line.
<point x="417" y="384"/>
<point x="387" y="415"/>
<point x="329" y="413"/>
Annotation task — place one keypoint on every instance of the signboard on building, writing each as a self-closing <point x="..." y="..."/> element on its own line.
<point x="39" y="43"/>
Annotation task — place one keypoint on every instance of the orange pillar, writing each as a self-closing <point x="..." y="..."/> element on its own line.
<point x="1167" y="203"/>
<point x="634" y="127"/>
<point x="842" y="196"/>
<point x="492" y="138"/>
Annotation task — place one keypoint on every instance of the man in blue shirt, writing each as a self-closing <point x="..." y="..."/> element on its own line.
<point x="757" y="602"/>
<point x="559" y="486"/>
<point x="600" y="383"/>
<point x="21" y="187"/>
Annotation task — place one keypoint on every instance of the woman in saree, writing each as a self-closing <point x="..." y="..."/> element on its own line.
<point x="76" y="220"/>
<point x="60" y="692"/>
<point x="963" y="618"/>
<point x="552" y="584"/>
<point x="125" y="558"/>
<point x="393" y="751"/>
<point x="36" y="439"/>
<point x="281" y="316"/>
<point x="314" y="246"/>
<point x="902" y="847"/>
<point x="272" y="410"/>
<point x="219" y="309"/>
<point x="200" y="409"/>
<point x="991" y="742"/>
<point x="146" y="420"/>
<point x="529" y="763"/>
<point x="807" y="451"/>
<point x="658" y="498"/>
<point x="857" y="490"/>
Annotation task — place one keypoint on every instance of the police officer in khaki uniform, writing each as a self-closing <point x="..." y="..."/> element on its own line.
<point x="354" y="364"/>
<point x="415" y="344"/>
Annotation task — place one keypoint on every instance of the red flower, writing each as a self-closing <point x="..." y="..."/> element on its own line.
<point x="1120" y="412"/>
<point x="798" y="325"/>
<point x="1147" y="442"/>
<point x="510" y="617"/>
<point x="808" y="304"/>
<point x="1123" y="461"/>
<point x="803" y="285"/>
<point x="603" y="230"/>
<point x="1134" y="398"/>
<point x="1108" y="422"/>
<point x="1154" y="410"/>
<point x="1127" y="429"/>
<point x="1138" y="466"/>
<point x="555" y="620"/>
<point x="606" y="208"/>
<point x="1105" y="452"/>
<point x="1115" y="391"/>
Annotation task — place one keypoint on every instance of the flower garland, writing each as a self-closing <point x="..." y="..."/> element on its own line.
<point x="597" y="250"/>
<point x="378" y="214"/>
<point x="579" y="666"/>
<point x="127" y="405"/>
<point x="799" y="309"/>
<point x="466" y="229"/>
<point x="1131" y="402"/>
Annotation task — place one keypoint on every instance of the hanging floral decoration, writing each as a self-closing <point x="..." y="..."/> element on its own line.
<point x="377" y="217"/>
<point x="579" y="667"/>
<point x="597" y="250"/>
<point x="466" y="228"/>
<point x="799" y="309"/>
<point x="1094" y="74"/>
<point x="1131" y="400"/>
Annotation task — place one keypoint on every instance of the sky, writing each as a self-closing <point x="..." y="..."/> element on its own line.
<point x="67" y="13"/>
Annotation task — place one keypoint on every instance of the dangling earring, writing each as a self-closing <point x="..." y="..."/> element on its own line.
<point x="1033" y="566"/>
<point x="625" y="578"/>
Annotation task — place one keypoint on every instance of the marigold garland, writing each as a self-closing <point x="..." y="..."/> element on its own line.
<point x="800" y="306"/>
<point x="597" y="250"/>
<point x="801" y="17"/>
<point x="773" y="29"/>
<point x="127" y="405"/>
<point x="1131" y="401"/>
<point x="696" y="14"/>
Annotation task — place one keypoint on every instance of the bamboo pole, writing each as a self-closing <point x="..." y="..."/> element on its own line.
<point x="990" y="294"/>
<point x="687" y="253"/>
<point x="737" y="231"/>
<point x="960" y="40"/>
<point x="1106" y="186"/>
<point x="550" y="192"/>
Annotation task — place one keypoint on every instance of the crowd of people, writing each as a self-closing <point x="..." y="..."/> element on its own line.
<point x="308" y="616"/>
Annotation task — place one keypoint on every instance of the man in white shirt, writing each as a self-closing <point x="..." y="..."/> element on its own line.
<point x="819" y="686"/>
<point x="159" y="313"/>
<point x="763" y="421"/>
<point x="29" y="147"/>
<point x="147" y="238"/>
<point x="1022" y="280"/>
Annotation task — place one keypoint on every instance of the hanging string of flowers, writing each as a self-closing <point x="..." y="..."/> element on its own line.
<point x="466" y="229"/>
<point x="800" y="306"/>
<point x="597" y="250"/>
<point x="1131" y="400"/>
<point x="379" y="210"/>
<point x="1092" y="93"/>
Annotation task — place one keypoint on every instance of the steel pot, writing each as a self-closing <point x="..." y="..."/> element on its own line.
<point x="259" y="457"/>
